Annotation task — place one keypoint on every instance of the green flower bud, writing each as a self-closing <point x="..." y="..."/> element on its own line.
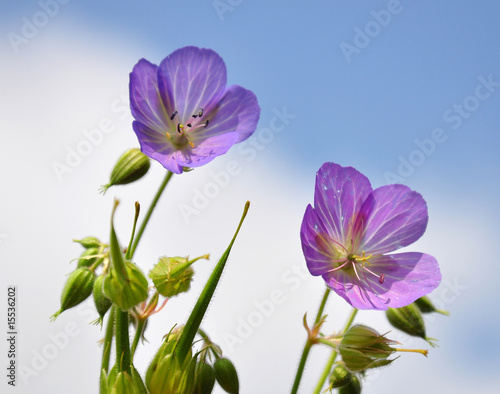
<point x="340" y="376"/>
<point x="409" y="320"/>
<point x="102" y="303"/>
<point x="353" y="387"/>
<point x="126" y="289"/>
<point x="76" y="290"/>
<point x="89" y="242"/>
<point x="205" y="379"/>
<point x="426" y="306"/>
<point x="226" y="375"/>
<point x="124" y="382"/>
<point x="172" y="275"/>
<point x="364" y="348"/>
<point x="131" y="166"/>
<point x="89" y="257"/>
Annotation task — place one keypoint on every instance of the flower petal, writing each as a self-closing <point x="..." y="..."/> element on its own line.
<point x="238" y="110"/>
<point x="393" y="216"/>
<point x="407" y="276"/>
<point x="339" y="194"/>
<point x="157" y="147"/>
<point x="145" y="100"/>
<point x="191" y="78"/>
<point x="207" y="150"/>
<point x="318" y="262"/>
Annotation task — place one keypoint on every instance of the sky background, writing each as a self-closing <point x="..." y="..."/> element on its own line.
<point x="404" y="91"/>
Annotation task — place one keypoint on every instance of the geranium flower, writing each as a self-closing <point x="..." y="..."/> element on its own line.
<point x="347" y="234"/>
<point x="185" y="116"/>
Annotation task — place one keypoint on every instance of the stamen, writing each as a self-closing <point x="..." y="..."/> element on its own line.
<point x="180" y="128"/>
<point x="189" y="125"/>
<point x="173" y="115"/>
<point x="206" y="123"/>
<point x="381" y="279"/>
<point x="168" y="136"/>
<point x="191" y="144"/>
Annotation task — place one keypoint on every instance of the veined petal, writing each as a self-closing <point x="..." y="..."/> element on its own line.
<point x="191" y="78"/>
<point x="317" y="258"/>
<point x="207" y="150"/>
<point x="394" y="216"/>
<point x="339" y="194"/>
<point x="238" y="111"/>
<point x="157" y="147"/>
<point x="407" y="276"/>
<point x="145" y="100"/>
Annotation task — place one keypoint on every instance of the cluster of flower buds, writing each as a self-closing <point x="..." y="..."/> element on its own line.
<point x="196" y="374"/>
<point x="122" y="382"/>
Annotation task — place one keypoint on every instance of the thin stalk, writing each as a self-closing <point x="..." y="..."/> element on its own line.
<point x="333" y="357"/>
<point x="122" y="341"/>
<point x="308" y="345"/>
<point x="108" y="339"/>
<point x="138" y="333"/>
<point x="149" y="212"/>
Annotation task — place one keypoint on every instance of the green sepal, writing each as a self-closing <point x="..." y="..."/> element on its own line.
<point x="205" y="379"/>
<point x="101" y="301"/>
<point x="409" y="320"/>
<point x="130" y="167"/>
<point x="129" y="292"/>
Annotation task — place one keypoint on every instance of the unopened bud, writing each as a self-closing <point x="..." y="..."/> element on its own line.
<point x="426" y="306"/>
<point x="172" y="275"/>
<point x="130" y="167"/>
<point x="89" y="242"/>
<point x="364" y="348"/>
<point x="128" y="292"/>
<point x="226" y="376"/>
<point x="120" y="382"/>
<point x="353" y="387"/>
<point x="102" y="302"/>
<point x="340" y="376"/>
<point x="409" y="320"/>
<point x="205" y="379"/>
<point x="76" y="290"/>
<point x="89" y="257"/>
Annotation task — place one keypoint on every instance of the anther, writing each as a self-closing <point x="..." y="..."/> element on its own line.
<point x="173" y="115"/>
<point x="191" y="144"/>
<point x="206" y="123"/>
<point x="381" y="279"/>
<point x="189" y="125"/>
<point x="180" y="128"/>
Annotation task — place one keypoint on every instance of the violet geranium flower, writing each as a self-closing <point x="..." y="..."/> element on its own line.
<point x="185" y="116"/>
<point x="347" y="234"/>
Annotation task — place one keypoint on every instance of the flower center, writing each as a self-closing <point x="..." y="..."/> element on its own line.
<point x="357" y="262"/>
<point x="181" y="138"/>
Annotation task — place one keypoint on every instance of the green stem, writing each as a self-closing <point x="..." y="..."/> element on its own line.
<point x="122" y="341"/>
<point x="308" y="345"/>
<point x="138" y="333"/>
<point x="194" y="320"/>
<point x="150" y="211"/>
<point x="108" y="339"/>
<point x="333" y="357"/>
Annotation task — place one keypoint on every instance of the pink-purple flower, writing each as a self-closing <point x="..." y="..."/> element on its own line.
<point x="350" y="230"/>
<point x="185" y="116"/>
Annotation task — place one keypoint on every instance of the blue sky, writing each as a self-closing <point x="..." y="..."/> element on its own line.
<point x="403" y="91"/>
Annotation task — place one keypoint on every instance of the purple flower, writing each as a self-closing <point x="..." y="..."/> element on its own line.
<point x="347" y="234"/>
<point x="185" y="116"/>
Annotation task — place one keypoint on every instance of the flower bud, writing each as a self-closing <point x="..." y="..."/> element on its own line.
<point x="102" y="303"/>
<point x="363" y="348"/>
<point x="426" y="306"/>
<point x="226" y="376"/>
<point x="205" y="379"/>
<point x="89" y="242"/>
<point x="131" y="166"/>
<point x="409" y="320"/>
<point x="126" y="289"/>
<point x="172" y="275"/>
<point x="120" y="382"/>
<point x="340" y="376"/>
<point x="76" y="290"/>
<point x="353" y="387"/>
<point x="88" y="257"/>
